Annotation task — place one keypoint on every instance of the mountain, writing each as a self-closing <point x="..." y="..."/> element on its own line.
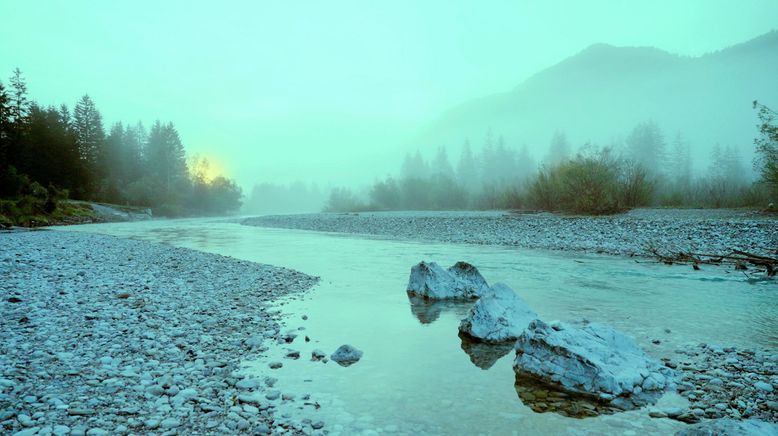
<point x="601" y="93"/>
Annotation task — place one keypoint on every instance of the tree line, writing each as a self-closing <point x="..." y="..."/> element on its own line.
<point x="645" y="169"/>
<point x="50" y="153"/>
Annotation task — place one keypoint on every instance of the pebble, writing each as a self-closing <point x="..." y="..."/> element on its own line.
<point x="129" y="344"/>
<point x="247" y="383"/>
<point x="624" y="234"/>
<point x="170" y="423"/>
<point x="725" y="382"/>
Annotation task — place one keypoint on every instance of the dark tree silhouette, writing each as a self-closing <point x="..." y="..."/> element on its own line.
<point x="89" y="132"/>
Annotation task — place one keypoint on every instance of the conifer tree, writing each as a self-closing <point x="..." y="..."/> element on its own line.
<point x="89" y="132"/>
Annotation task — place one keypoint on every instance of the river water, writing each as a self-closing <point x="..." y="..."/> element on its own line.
<point x="416" y="375"/>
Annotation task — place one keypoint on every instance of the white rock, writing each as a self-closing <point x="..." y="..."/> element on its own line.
<point x="461" y="281"/>
<point x="27" y="432"/>
<point x="595" y="360"/>
<point x="170" y="423"/>
<point x="498" y="316"/>
<point x="25" y="420"/>
<point x="60" y="430"/>
<point x="247" y="383"/>
<point x="183" y="396"/>
<point x="346" y="355"/>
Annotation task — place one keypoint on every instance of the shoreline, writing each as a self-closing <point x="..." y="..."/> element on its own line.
<point x="716" y="231"/>
<point x="109" y="336"/>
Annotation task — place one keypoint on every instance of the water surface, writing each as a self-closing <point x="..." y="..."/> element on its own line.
<point x="416" y="375"/>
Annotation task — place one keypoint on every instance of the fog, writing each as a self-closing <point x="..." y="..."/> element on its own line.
<point x="309" y="96"/>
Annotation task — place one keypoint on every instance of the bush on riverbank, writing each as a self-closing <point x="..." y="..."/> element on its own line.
<point x="29" y="204"/>
<point x="591" y="184"/>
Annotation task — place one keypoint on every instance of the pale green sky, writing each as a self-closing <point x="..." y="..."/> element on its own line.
<point x="309" y="89"/>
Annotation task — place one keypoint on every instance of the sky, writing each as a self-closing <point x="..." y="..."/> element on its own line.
<point x="326" y="91"/>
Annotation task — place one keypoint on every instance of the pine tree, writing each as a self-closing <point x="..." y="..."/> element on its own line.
<point x="89" y="132"/>
<point x="441" y="165"/>
<point x="414" y="166"/>
<point x="112" y="153"/>
<point x="3" y="127"/>
<point x="525" y="164"/>
<point x="16" y="120"/>
<point x="133" y="144"/>
<point x="467" y="168"/>
<point x="646" y="145"/>
<point x="166" y="160"/>
<point x="558" y="150"/>
<point x="682" y="162"/>
<point x="19" y="107"/>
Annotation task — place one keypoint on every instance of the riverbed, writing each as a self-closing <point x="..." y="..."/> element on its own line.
<point x="415" y="375"/>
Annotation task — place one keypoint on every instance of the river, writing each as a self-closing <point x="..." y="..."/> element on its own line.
<point x="415" y="376"/>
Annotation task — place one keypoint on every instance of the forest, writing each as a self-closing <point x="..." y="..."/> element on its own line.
<point x="645" y="169"/>
<point x="49" y="154"/>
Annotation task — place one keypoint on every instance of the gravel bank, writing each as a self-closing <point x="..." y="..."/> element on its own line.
<point x="671" y="230"/>
<point x="725" y="383"/>
<point x="111" y="336"/>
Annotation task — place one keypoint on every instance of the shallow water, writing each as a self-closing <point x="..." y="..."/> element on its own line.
<point x="415" y="376"/>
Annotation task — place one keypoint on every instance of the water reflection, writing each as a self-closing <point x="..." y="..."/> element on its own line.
<point x="428" y="311"/>
<point x="542" y="397"/>
<point x="483" y="355"/>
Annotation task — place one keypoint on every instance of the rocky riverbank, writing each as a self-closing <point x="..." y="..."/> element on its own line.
<point x="632" y="233"/>
<point x="111" y="336"/>
<point x="725" y="383"/>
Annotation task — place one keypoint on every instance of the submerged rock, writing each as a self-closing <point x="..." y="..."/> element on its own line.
<point x="725" y="427"/>
<point x="346" y="355"/>
<point x="498" y="316"/>
<point x="595" y="361"/>
<point x="461" y="281"/>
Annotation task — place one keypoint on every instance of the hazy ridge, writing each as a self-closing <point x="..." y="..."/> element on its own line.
<point x="603" y="91"/>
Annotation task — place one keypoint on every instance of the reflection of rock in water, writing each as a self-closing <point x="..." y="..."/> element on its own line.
<point x="542" y="397"/>
<point x="428" y="311"/>
<point x="484" y="355"/>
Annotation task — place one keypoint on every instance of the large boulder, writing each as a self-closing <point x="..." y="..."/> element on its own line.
<point x="461" y="281"/>
<point x="731" y="427"/>
<point x="499" y="316"/>
<point x="595" y="361"/>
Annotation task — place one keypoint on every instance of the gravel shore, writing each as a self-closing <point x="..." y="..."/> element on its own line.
<point x="725" y="383"/>
<point x="633" y="233"/>
<point x="112" y="336"/>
